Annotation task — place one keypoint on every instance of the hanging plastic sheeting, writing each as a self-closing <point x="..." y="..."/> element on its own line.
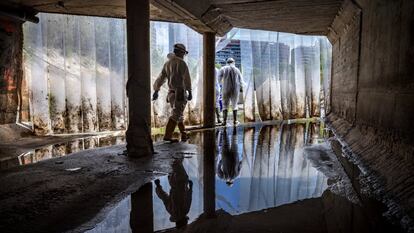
<point x="36" y="74"/>
<point x="247" y="72"/>
<point x="75" y="66"/>
<point x="283" y="74"/>
<point x="326" y="62"/>
<point x="163" y="37"/>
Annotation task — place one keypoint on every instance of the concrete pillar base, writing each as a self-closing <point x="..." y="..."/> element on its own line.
<point x="139" y="144"/>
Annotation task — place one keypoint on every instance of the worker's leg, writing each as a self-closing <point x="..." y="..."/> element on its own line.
<point x="226" y="102"/>
<point x="234" y="104"/>
<point x="178" y="115"/>
<point x="169" y="129"/>
<point x="218" y="115"/>
<point x="184" y="135"/>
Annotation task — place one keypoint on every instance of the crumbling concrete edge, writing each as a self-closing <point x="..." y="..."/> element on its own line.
<point x="383" y="162"/>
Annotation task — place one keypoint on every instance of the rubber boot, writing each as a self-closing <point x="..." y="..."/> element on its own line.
<point x="218" y="115"/>
<point x="235" y="122"/>
<point x="169" y="129"/>
<point x="224" y="117"/>
<point x="184" y="135"/>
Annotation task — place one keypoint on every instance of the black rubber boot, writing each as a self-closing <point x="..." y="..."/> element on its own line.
<point x="169" y="129"/>
<point x="218" y="115"/>
<point x="184" y="135"/>
<point x="224" y="117"/>
<point x="235" y="122"/>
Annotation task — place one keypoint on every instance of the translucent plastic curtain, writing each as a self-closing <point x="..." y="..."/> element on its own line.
<point x="283" y="73"/>
<point x="75" y="67"/>
<point x="163" y="37"/>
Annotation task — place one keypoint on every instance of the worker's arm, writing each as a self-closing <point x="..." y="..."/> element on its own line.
<point x="162" y="77"/>
<point x="187" y="82"/>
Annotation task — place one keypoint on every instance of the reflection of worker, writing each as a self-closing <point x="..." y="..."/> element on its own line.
<point x="228" y="167"/>
<point x="232" y="84"/>
<point x="178" y="202"/>
<point x="218" y="96"/>
<point x="175" y="70"/>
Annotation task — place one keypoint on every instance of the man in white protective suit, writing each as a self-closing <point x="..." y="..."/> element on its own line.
<point x="175" y="71"/>
<point x="232" y="84"/>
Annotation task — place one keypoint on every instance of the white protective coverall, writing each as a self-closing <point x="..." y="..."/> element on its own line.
<point x="175" y="70"/>
<point x="232" y="82"/>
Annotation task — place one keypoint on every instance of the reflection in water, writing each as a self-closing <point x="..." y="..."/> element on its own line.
<point x="61" y="149"/>
<point x="228" y="167"/>
<point x="273" y="170"/>
<point x="268" y="170"/>
<point x="178" y="202"/>
<point x="141" y="217"/>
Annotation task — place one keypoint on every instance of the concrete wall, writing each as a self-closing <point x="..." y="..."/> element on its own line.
<point x="11" y="37"/>
<point x="373" y="92"/>
<point x="374" y="86"/>
<point x="386" y="81"/>
<point x="345" y="39"/>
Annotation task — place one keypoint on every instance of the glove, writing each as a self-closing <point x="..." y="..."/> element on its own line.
<point x="190" y="96"/>
<point x="155" y="95"/>
<point x="241" y="90"/>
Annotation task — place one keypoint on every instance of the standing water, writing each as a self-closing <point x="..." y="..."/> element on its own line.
<point x="274" y="178"/>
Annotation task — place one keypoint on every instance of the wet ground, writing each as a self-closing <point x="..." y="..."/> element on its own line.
<point x="273" y="178"/>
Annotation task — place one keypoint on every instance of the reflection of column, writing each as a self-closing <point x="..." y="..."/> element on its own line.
<point x="209" y="189"/>
<point x="142" y="216"/>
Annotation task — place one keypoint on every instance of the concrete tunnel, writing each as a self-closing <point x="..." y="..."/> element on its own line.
<point x="325" y="142"/>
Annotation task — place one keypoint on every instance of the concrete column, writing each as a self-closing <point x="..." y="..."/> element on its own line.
<point x="209" y="55"/>
<point x="142" y="215"/>
<point x="209" y="181"/>
<point x="138" y="135"/>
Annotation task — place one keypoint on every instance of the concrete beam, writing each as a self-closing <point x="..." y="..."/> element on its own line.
<point x="138" y="135"/>
<point x="208" y="79"/>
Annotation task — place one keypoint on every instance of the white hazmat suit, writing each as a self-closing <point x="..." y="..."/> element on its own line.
<point x="232" y="83"/>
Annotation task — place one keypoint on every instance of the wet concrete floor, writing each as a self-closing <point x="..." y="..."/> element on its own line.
<point x="44" y="148"/>
<point x="274" y="178"/>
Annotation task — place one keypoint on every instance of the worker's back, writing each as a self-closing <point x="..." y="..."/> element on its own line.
<point x="230" y="77"/>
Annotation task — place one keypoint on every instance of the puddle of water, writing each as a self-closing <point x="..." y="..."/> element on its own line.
<point x="65" y="148"/>
<point x="253" y="179"/>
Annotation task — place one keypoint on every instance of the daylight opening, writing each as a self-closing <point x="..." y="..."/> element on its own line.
<point x="75" y="73"/>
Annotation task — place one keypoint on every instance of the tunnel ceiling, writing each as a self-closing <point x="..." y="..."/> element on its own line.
<point x="295" y="16"/>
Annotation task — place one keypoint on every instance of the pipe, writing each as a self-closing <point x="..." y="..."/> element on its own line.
<point x="19" y="15"/>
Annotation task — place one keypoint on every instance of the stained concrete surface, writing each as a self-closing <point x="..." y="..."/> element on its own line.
<point x="51" y="196"/>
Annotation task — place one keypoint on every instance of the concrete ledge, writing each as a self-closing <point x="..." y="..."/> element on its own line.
<point x="58" y="194"/>
<point x="386" y="165"/>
